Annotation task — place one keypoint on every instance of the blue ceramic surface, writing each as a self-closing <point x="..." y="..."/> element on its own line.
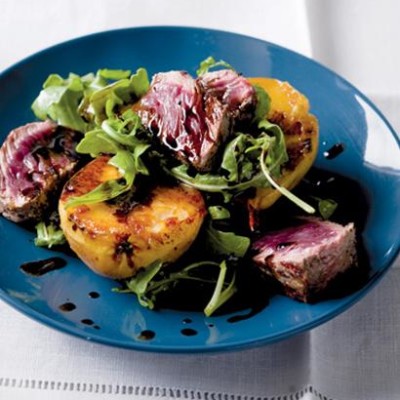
<point x="372" y="158"/>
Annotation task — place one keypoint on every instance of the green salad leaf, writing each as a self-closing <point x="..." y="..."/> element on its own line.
<point x="226" y="243"/>
<point x="218" y="213"/>
<point x="81" y="102"/>
<point x="117" y="136"/>
<point x="210" y="63"/>
<point x="248" y="161"/>
<point x="59" y="101"/>
<point x="263" y="103"/>
<point x="240" y="166"/>
<point x="104" y="101"/>
<point x="326" y="207"/>
<point x="48" y="235"/>
<point x="149" y="282"/>
<point x="223" y="291"/>
<point x="143" y="285"/>
<point x="92" y="104"/>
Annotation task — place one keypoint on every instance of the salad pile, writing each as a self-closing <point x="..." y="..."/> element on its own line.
<point x="251" y="163"/>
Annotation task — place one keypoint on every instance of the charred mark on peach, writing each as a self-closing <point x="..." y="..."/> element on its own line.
<point x="296" y="152"/>
<point x="124" y="247"/>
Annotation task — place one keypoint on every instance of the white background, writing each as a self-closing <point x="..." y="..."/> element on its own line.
<point x="356" y="38"/>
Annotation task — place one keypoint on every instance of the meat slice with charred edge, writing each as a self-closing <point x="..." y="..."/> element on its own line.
<point x="35" y="160"/>
<point x="193" y="117"/>
<point x="306" y="258"/>
<point x="233" y="90"/>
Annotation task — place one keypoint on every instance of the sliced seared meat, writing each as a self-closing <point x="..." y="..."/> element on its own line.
<point x="305" y="258"/>
<point x="193" y="117"/>
<point x="233" y="90"/>
<point x="35" y="160"/>
<point x="175" y="110"/>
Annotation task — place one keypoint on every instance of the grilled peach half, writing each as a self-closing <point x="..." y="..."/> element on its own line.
<point x="117" y="241"/>
<point x="290" y="110"/>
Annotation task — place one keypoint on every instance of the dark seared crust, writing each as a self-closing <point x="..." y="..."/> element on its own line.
<point x="291" y="127"/>
<point x="36" y="159"/>
<point x="296" y="151"/>
<point x="193" y="117"/>
<point x="233" y="90"/>
<point x="305" y="259"/>
<point x="299" y="133"/>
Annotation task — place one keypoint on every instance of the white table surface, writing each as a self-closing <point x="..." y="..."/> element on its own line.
<point x="38" y="362"/>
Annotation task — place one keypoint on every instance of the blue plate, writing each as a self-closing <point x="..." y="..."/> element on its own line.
<point x="371" y="158"/>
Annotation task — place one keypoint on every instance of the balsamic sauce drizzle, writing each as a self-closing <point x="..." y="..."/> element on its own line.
<point x="67" y="307"/>
<point x="146" y="334"/>
<point x="334" y="151"/>
<point x="41" y="267"/>
<point x="189" y="332"/>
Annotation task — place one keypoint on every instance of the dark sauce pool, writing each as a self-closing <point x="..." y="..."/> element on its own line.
<point x="254" y="288"/>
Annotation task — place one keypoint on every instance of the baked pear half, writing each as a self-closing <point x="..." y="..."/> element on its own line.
<point x="116" y="240"/>
<point x="290" y="110"/>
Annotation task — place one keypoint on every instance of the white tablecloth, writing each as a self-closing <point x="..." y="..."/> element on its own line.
<point x="356" y="356"/>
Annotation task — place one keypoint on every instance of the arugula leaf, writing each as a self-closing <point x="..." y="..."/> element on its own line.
<point x="79" y="101"/>
<point x="248" y="161"/>
<point x="263" y="103"/>
<point x="97" y="142"/>
<point x="104" y="101"/>
<point x="114" y="74"/>
<point x="326" y="207"/>
<point x="149" y="282"/>
<point x="218" y="213"/>
<point x="222" y="292"/>
<point x="234" y="156"/>
<point x="118" y="136"/>
<point x="210" y="63"/>
<point x="276" y="154"/>
<point x="226" y="243"/>
<point x="48" y="235"/>
<point x="292" y="197"/>
<point x="141" y="284"/>
<point x="105" y="191"/>
<point x="240" y="166"/>
<point x="59" y="100"/>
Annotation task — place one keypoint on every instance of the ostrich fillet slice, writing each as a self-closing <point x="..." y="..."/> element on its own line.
<point x="193" y="117"/>
<point x="35" y="160"/>
<point x="305" y="258"/>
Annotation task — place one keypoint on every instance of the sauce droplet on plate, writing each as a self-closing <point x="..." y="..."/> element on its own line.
<point x="188" y="332"/>
<point x="67" y="307"/>
<point x="146" y="335"/>
<point x="334" y="151"/>
<point x="41" y="267"/>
